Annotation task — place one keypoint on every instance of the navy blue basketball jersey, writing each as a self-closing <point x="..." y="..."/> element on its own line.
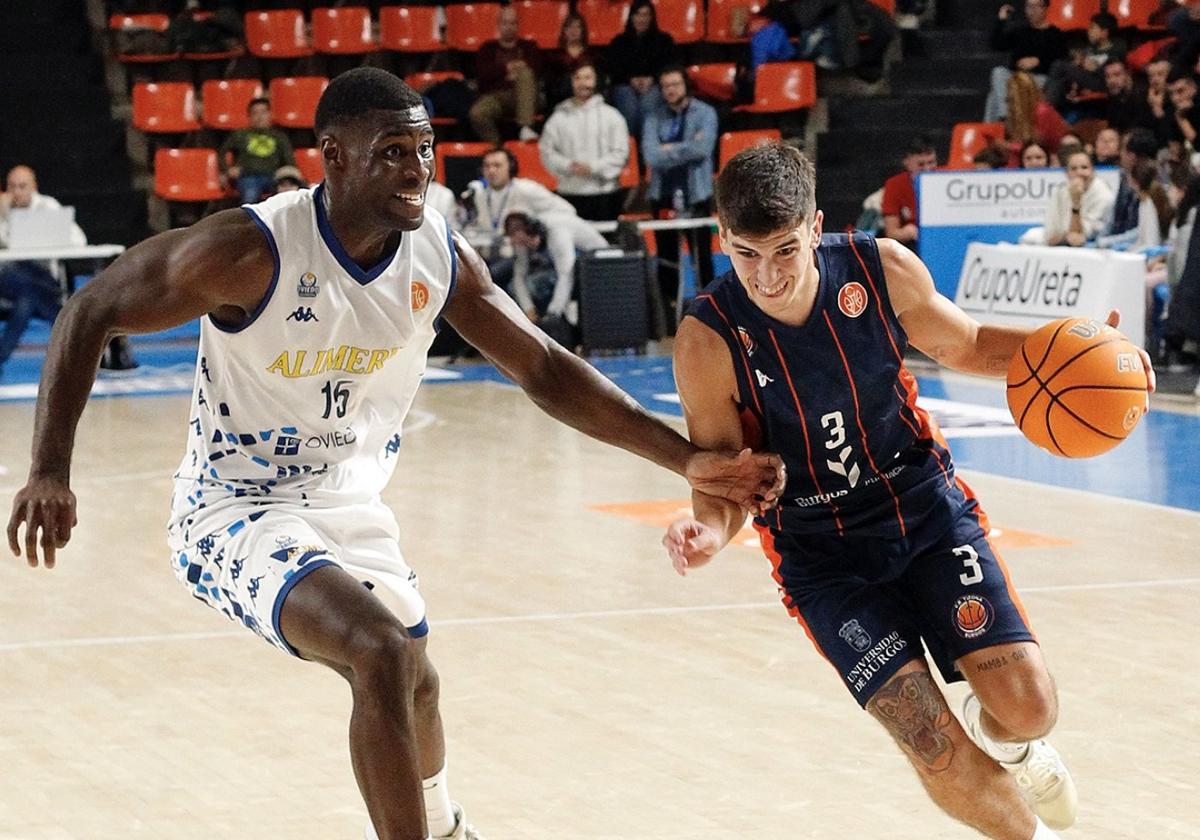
<point x="834" y="399"/>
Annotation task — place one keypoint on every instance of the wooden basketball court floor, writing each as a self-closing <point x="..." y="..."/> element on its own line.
<point x="588" y="692"/>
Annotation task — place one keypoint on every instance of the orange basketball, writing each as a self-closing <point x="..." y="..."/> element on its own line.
<point x="1077" y="387"/>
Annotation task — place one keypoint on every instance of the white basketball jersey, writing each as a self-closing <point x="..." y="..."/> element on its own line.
<point x="306" y="401"/>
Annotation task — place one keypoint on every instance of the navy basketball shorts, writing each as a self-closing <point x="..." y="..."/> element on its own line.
<point x="870" y="606"/>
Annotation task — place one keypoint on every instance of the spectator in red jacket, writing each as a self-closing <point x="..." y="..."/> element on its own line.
<point x="1031" y="117"/>
<point x="506" y="70"/>
<point x="900" y="193"/>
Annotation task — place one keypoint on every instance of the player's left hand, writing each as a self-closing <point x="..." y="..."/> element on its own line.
<point x="690" y="544"/>
<point x="752" y="480"/>
<point x="1114" y="318"/>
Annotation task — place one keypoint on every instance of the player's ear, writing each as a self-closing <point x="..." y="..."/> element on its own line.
<point x="723" y="238"/>
<point x="332" y="151"/>
<point x="818" y="224"/>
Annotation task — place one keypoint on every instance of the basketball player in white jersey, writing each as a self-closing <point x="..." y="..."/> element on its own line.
<point x="318" y="309"/>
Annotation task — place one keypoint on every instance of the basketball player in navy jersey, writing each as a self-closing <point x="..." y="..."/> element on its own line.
<point x="876" y="545"/>
<point x="317" y="308"/>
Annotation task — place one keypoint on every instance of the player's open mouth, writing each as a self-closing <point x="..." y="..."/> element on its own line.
<point x="771" y="291"/>
<point x="416" y="200"/>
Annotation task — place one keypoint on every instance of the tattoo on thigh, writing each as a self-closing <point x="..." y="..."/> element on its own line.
<point x="1000" y="660"/>
<point x="914" y="711"/>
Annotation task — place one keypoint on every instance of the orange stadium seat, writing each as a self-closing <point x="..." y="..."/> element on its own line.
<point x="470" y="24"/>
<point x="226" y="100"/>
<point x="467" y="150"/>
<point x="529" y="161"/>
<point x="629" y="175"/>
<point x="714" y="81"/>
<point x="540" y="21"/>
<point x="277" y="34"/>
<point x="1138" y="58"/>
<point x="1136" y="13"/>
<point x="684" y="19"/>
<point x="410" y="29"/>
<point x="308" y="161"/>
<point x="345" y="30"/>
<point x="888" y="6"/>
<point x="164" y="107"/>
<point x="294" y="100"/>
<point x="968" y="139"/>
<point x="605" y="19"/>
<point x="187" y="175"/>
<point x="1072" y="14"/>
<point x="732" y="142"/>
<point x="422" y="81"/>
<point x="720" y="20"/>
<point x="783" y="86"/>
<point x="128" y="23"/>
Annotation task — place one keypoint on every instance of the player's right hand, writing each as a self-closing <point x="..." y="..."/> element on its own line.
<point x="45" y="505"/>
<point x="690" y="543"/>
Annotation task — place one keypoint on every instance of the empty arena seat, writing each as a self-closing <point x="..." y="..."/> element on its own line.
<point x="684" y="19"/>
<point x="345" y="30"/>
<point x="1072" y="14"/>
<point x="732" y="142"/>
<point x="187" y="175"/>
<point x="968" y="139"/>
<point x="294" y="100"/>
<point x="123" y="30"/>
<point x="715" y="81"/>
<point x="720" y="21"/>
<point x="783" y="86"/>
<point x="529" y="162"/>
<point x="410" y="29"/>
<point x="468" y="25"/>
<point x="605" y="19"/>
<point x="422" y="81"/>
<point x="1139" y="14"/>
<point x="308" y="161"/>
<point x="165" y="107"/>
<point x="226" y="100"/>
<point x="277" y="34"/>
<point x="540" y="21"/>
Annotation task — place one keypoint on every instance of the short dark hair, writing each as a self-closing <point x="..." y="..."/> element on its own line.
<point x="674" y="68"/>
<point x="514" y="163"/>
<point x="356" y="92"/>
<point x="919" y="145"/>
<point x="766" y="188"/>
<point x="1142" y="142"/>
<point x="1177" y="73"/>
<point x="1105" y="21"/>
<point x="526" y="223"/>
<point x="1069" y="150"/>
<point x="258" y="100"/>
<point x="991" y="156"/>
<point x="1116" y="59"/>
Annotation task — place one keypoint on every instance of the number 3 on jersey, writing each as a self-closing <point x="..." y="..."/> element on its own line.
<point x="337" y="395"/>
<point x="836" y="425"/>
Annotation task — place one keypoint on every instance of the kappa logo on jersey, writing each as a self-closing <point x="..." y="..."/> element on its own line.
<point x="303" y="315"/>
<point x="855" y="635"/>
<point x="307" y="287"/>
<point x="763" y="379"/>
<point x="852" y="299"/>
<point x="747" y="342"/>
<point x="420" y="296"/>
<point x="295" y="364"/>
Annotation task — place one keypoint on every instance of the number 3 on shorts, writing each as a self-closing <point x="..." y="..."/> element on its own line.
<point x="970" y="559"/>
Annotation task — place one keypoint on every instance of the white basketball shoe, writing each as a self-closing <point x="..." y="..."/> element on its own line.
<point x="463" y="830"/>
<point x="1042" y="775"/>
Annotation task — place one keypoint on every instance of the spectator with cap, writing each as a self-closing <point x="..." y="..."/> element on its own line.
<point x="256" y="151"/>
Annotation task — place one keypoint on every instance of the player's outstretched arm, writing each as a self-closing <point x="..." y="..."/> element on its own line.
<point x="942" y="331"/>
<point x="707" y="390"/>
<point x="221" y="265"/>
<point x="569" y="389"/>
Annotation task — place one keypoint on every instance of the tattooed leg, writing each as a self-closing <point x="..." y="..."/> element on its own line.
<point x="964" y="782"/>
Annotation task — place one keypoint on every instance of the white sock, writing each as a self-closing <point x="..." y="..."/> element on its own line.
<point x="1006" y="752"/>
<point x="1041" y="832"/>
<point x="439" y="812"/>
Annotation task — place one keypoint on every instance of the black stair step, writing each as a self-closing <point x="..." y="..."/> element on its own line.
<point x="840" y="213"/>
<point x="964" y="73"/>
<point x="920" y="113"/>
<point x="881" y="147"/>
<point x="952" y="43"/>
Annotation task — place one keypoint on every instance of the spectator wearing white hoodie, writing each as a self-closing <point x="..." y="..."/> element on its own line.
<point x="585" y="143"/>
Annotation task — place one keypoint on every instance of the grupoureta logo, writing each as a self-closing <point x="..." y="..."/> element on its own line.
<point x="1033" y="283"/>
<point x="1013" y="200"/>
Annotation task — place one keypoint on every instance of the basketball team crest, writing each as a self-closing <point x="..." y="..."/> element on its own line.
<point x="973" y="616"/>
<point x="747" y="342"/>
<point x="420" y="295"/>
<point x="852" y="299"/>
<point x="307" y="287"/>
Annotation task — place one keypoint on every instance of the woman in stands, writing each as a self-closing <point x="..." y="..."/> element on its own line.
<point x="1033" y="156"/>
<point x="1154" y="208"/>
<point x="572" y="53"/>
<point x="1031" y="118"/>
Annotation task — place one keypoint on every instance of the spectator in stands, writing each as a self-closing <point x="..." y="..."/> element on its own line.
<point x="991" y="157"/>
<point x="1185" y="25"/>
<point x="899" y="208"/>
<point x="1127" y="102"/>
<point x="1106" y="151"/>
<point x="1154" y="208"/>
<point x="1181" y="130"/>
<point x="679" y="142"/>
<point x="1074" y="82"/>
<point x="1158" y="100"/>
<point x="1030" y="116"/>
<point x="499" y="193"/>
<point x="506" y="70"/>
<point x="585" y="143"/>
<point x="1033" y="44"/>
<point x="1138" y="146"/>
<point x="289" y="178"/>
<point x="545" y="249"/>
<point x="1033" y="156"/>
<point x="633" y="62"/>
<point x="573" y="52"/>
<point x="1078" y="213"/>
<point x="257" y="152"/>
<point x="28" y="289"/>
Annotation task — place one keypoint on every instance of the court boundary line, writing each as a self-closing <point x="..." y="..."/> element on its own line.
<point x="203" y="635"/>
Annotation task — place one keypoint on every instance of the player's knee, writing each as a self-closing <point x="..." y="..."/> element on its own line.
<point x="428" y="688"/>
<point x="1029" y="710"/>
<point x="382" y="657"/>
